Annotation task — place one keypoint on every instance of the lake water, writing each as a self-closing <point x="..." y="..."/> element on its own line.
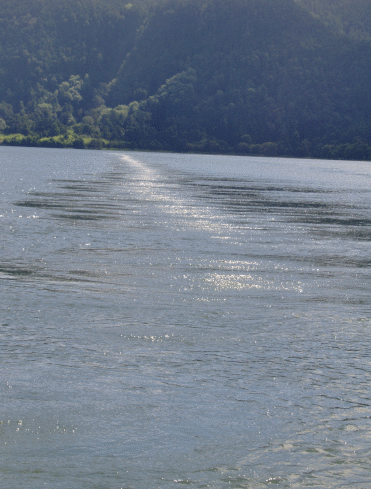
<point x="172" y="320"/>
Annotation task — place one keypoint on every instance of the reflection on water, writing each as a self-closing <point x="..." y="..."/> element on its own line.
<point x="183" y="319"/>
<point x="86" y="201"/>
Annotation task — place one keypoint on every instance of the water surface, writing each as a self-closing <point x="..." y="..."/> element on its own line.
<point x="180" y="319"/>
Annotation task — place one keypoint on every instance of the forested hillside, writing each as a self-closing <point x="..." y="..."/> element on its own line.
<point x="347" y="17"/>
<point x="287" y="77"/>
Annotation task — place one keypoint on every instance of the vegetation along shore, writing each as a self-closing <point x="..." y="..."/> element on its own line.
<point x="250" y="77"/>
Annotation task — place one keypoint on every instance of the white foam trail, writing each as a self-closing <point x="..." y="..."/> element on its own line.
<point x="151" y="187"/>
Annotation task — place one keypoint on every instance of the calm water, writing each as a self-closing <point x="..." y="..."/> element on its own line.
<point x="179" y="319"/>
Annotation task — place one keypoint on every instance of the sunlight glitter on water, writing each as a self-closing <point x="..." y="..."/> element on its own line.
<point x="172" y="319"/>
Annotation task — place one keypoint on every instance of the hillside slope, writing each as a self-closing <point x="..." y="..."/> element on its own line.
<point x="351" y="18"/>
<point x="44" y="43"/>
<point x="246" y="76"/>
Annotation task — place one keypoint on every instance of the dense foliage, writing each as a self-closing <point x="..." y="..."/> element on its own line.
<point x="288" y="77"/>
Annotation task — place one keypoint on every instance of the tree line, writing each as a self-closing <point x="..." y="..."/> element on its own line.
<point x="256" y="77"/>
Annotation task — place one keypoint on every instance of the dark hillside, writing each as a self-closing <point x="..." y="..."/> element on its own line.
<point x="351" y="18"/>
<point x="44" y="43"/>
<point x="212" y="35"/>
<point x="270" y="77"/>
<point x="261" y="67"/>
